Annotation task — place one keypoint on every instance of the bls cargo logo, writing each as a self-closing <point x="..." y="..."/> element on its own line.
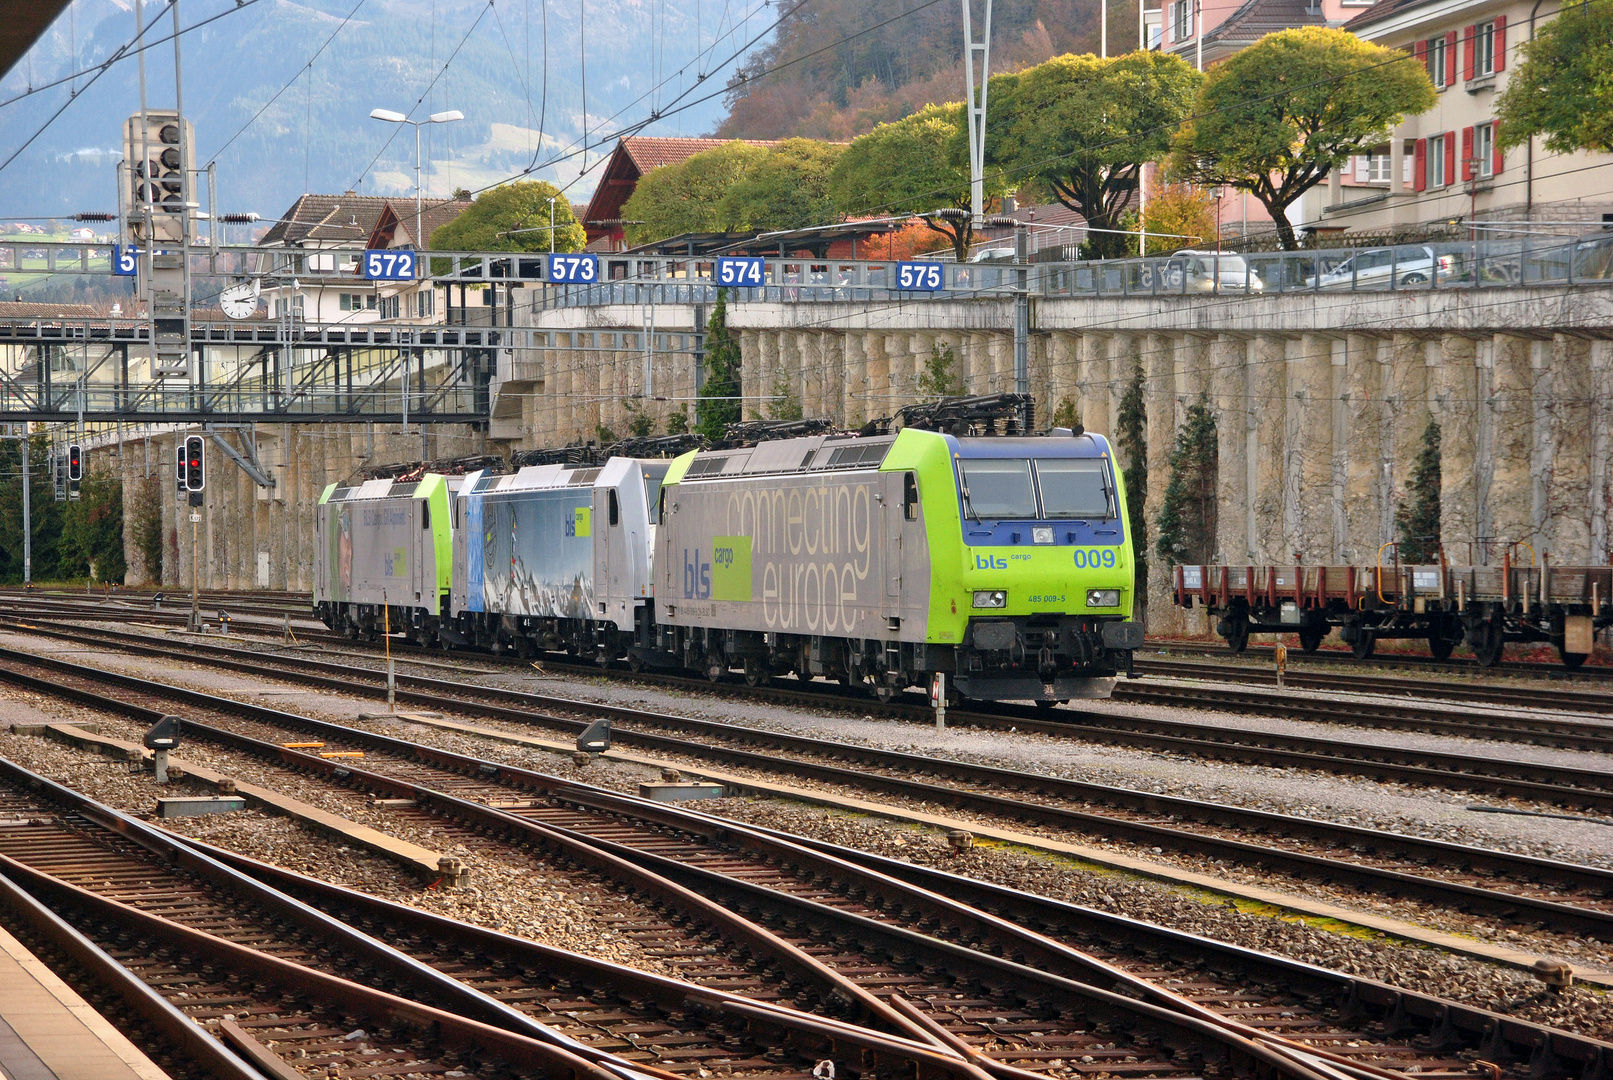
<point x="990" y="562"/>
<point x="726" y="577"/>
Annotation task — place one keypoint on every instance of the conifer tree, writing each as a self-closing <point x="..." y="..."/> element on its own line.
<point x="1417" y="519"/>
<point x="1187" y="518"/>
<point x="718" y="404"/>
<point x="1132" y="439"/>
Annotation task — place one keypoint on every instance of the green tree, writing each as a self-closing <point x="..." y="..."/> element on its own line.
<point x="913" y="166"/>
<point x="1277" y="117"/>
<point x="45" y="512"/>
<point x="1181" y="215"/>
<point x="1417" y="519"/>
<point x="494" y="221"/>
<point x="145" y="526"/>
<point x="1563" y="89"/>
<point x="1131" y="437"/>
<point x="1066" y="415"/>
<point x="719" y="404"/>
<point x="1187" y="516"/>
<point x="786" y="189"/>
<point x="786" y="403"/>
<point x="677" y="421"/>
<point x="1080" y="129"/>
<point x="691" y="196"/>
<point x="940" y="377"/>
<point x="91" y="544"/>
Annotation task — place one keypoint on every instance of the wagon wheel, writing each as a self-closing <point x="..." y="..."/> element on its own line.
<point x="1365" y="642"/>
<point x="1310" y="637"/>
<point x="1440" y="645"/>
<point x="1490" y="643"/>
<point x="1237" y="636"/>
<point x="1571" y="660"/>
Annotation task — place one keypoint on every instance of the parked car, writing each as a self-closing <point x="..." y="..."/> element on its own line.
<point x="1210" y="271"/>
<point x="1372" y="269"/>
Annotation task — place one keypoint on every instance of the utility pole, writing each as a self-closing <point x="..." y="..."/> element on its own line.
<point x="1022" y="312"/>
<point x="975" y="108"/>
<point x="27" y="514"/>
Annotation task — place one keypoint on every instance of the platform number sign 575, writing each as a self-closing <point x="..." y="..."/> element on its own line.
<point x="920" y="276"/>
<point x="739" y="273"/>
<point x="573" y="269"/>
<point x="382" y="264"/>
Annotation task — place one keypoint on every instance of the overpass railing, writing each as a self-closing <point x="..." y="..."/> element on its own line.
<point x="1485" y="264"/>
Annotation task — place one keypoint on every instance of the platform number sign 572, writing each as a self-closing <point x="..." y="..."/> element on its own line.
<point x="739" y="273"/>
<point x="382" y="264"/>
<point x="573" y="269"/>
<point x="920" y="276"/>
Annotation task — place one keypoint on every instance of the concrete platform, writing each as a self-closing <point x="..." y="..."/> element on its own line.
<point x="48" y="1032"/>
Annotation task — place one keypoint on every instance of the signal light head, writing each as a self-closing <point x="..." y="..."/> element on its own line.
<point x="195" y="479"/>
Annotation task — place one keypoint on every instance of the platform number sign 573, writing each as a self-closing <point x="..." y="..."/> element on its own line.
<point x="739" y="273"/>
<point x="573" y="269"/>
<point x="920" y="276"/>
<point x="382" y="264"/>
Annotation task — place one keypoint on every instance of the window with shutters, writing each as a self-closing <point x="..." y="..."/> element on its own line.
<point x="1484" y="149"/>
<point x="1483" y="50"/>
<point x="1436" y="162"/>
<point x="1182" y="20"/>
<point x="1436" y="60"/>
<point x="1374" y="167"/>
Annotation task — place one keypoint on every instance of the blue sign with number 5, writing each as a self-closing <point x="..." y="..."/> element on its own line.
<point x="920" y="276"/>
<point x="125" y="261"/>
<point x="573" y="269"/>
<point x="739" y="273"/>
<point x="385" y="265"/>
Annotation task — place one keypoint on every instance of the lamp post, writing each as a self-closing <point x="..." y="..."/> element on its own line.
<point x="551" y="223"/>
<point x="391" y="117"/>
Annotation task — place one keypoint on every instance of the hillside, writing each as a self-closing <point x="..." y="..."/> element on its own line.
<point x="844" y="87"/>
<point x="318" y="136"/>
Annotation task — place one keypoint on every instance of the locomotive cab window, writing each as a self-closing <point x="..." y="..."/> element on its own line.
<point x="997" y="488"/>
<point x="1074" y="488"/>
<point x="615" y="509"/>
<point x="910" y="497"/>
<point x="425" y="515"/>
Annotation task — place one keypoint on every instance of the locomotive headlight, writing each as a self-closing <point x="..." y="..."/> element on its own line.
<point x="990" y="598"/>
<point x="1103" y="598"/>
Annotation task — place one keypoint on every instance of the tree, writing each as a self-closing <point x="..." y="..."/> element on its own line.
<point x="1562" y="89"/>
<point x="1274" y="119"/>
<point x="1182" y="215"/>
<point x="786" y="403"/>
<point x="690" y="196"/>
<point x="718" y="401"/>
<point x="45" y="517"/>
<point x="912" y="166"/>
<point x="1187" y="516"/>
<point x="493" y="221"/>
<point x="1080" y="128"/>
<point x="1131" y="437"/>
<point x="1417" y="519"/>
<point x="91" y="543"/>
<point x="786" y="189"/>
<point x="940" y="377"/>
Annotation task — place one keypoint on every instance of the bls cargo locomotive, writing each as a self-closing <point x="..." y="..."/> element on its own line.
<point x="876" y="560"/>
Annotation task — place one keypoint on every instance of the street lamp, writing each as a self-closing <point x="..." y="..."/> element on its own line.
<point x="391" y="117"/>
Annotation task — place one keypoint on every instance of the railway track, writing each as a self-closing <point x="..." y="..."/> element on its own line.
<point x="1552" y="671"/>
<point x="1009" y="998"/>
<point x="269" y="980"/>
<point x="1548" y="893"/>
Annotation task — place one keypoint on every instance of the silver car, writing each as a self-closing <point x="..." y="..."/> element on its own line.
<point x="1209" y="271"/>
<point x="1377" y="267"/>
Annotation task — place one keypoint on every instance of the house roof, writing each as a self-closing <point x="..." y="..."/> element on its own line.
<point x="1382" y="10"/>
<point x="22" y="309"/>
<point x="397" y="219"/>
<point x="327" y="219"/>
<point x="649" y="152"/>
<point x="1257" y="18"/>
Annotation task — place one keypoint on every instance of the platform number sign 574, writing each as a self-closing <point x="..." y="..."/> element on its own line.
<point x="920" y="276"/>
<point x="573" y="269"/>
<point x="383" y="264"/>
<point x="739" y="273"/>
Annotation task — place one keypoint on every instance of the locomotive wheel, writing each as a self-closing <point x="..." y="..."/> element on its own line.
<point x="1046" y="705"/>
<point x="1310" y="637"/>
<point x="885" y="692"/>
<point x="1571" y="660"/>
<point x="1365" y="642"/>
<point x="635" y="663"/>
<point x="1440" y="646"/>
<point x="715" y="668"/>
<point x="755" y="674"/>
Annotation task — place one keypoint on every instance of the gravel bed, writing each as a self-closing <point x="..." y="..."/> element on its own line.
<point x="506" y="890"/>
<point x="884" y="732"/>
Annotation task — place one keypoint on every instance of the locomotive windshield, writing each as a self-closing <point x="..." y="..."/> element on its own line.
<point x="998" y="488"/>
<point x="1073" y="488"/>
<point x="1010" y="488"/>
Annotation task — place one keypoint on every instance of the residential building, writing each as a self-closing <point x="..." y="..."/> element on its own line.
<point x="634" y="156"/>
<point x="332" y="229"/>
<point x="1445" y="164"/>
<point x="1232" y="25"/>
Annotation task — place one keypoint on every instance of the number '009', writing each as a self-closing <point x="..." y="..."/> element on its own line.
<point x="1095" y="558"/>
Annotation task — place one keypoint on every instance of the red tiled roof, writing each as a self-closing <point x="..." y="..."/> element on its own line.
<point x="1383" y="9"/>
<point x="649" y="152"/>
